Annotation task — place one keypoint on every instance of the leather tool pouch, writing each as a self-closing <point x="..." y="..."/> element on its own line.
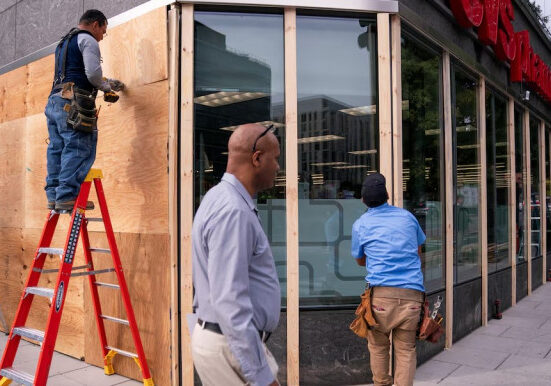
<point x="429" y="329"/>
<point x="82" y="114"/>
<point x="364" y="316"/>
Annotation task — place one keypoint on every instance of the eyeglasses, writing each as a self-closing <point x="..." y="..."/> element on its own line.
<point x="270" y="128"/>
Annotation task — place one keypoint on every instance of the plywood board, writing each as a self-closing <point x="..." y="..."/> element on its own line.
<point x="13" y="86"/>
<point x="11" y="173"/>
<point x="385" y="105"/>
<point x="145" y="260"/>
<point x="136" y="52"/>
<point x="396" y="41"/>
<point x="39" y="79"/>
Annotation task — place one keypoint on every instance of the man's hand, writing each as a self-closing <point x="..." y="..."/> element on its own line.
<point x="361" y="261"/>
<point x="116" y="85"/>
<point x="274" y="383"/>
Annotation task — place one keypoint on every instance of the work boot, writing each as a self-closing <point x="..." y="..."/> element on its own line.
<point x="51" y="205"/>
<point x="69" y="205"/>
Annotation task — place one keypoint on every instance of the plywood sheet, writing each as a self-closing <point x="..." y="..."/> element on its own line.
<point x="13" y="86"/>
<point x="11" y="172"/>
<point x="145" y="260"/>
<point x="136" y="52"/>
<point x="39" y="78"/>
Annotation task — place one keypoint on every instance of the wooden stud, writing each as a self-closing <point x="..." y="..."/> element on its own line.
<point x="173" y="118"/>
<point x="291" y="193"/>
<point x="483" y="196"/>
<point x="186" y="182"/>
<point x="448" y="154"/>
<point x="527" y="203"/>
<point x="385" y="105"/>
<point x="398" y="196"/>
<point x="512" y="198"/>
<point x="543" y="200"/>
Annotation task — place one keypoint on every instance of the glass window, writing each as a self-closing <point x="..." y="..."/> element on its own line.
<point x="535" y="199"/>
<point x="421" y="151"/>
<point x="467" y="176"/>
<point x="498" y="181"/>
<point x="520" y="177"/>
<point x="337" y="145"/>
<point x="547" y="189"/>
<point x="239" y="79"/>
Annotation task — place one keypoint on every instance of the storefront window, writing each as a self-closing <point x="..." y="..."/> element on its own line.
<point x="421" y="151"/>
<point x="498" y="181"/>
<point x="337" y="145"/>
<point x="239" y="79"/>
<point x="535" y="199"/>
<point x="520" y="177"/>
<point x="547" y="189"/>
<point x="467" y="176"/>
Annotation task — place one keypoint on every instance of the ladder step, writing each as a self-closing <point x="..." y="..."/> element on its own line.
<point x="116" y="320"/>
<point x="17" y="376"/>
<point x="30" y="333"/>
<point x="100" y="284"/>
<point x="100" y="250"/>
<point x="96" y="272"/>
<point x="96" y="219"/>
<point x="57" y="270"/>
<point x="51" y="251"/>
<point x="122" y="352"/>
<point x="41" y="291"/>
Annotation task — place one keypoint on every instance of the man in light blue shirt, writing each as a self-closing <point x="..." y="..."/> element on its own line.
<point x="387" y="240"/>
<point x="237" y="294"/>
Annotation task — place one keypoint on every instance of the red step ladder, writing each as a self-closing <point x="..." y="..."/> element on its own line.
<point x="47" y="338"/>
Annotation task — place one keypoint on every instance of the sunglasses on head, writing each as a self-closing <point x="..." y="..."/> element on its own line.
<point x="270" y="128"/>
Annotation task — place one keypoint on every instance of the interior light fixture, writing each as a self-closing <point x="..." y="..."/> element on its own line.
<point x="328" y="164"/>
<point x="465" y="147"/>
<point x="227" y="98"/>
<point x="263" y="123"/>
<point x="362" y="152"/>
<point x="350" y="167"/>
<point x="360" y="110"/>
<point x="321" y="138"/>
<point x="465" y="128"/>
<point x="432" y="131"/>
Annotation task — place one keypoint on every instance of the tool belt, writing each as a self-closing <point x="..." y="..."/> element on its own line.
<point x="81" y="112"/>
<point x="430" y="326"/>
<point x="364" y="315"/>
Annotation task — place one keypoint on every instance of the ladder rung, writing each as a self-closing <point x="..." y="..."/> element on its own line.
<point x="122" y="352"/>
<point x="17" y="376"/>
<point x="116" y="320"/>
<point x="100" y="250"/>
<point x="57" y="270"/>
<point x="96" y="272"/>
<point x="41" y="291"/>
<point x="51" y="251"/>
<point x="96" y="219"/>
<point x="30" y="333"/>
<point x="100" y="284"/>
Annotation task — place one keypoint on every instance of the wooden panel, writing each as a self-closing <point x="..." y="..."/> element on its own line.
<point x="527" y="189"/>
<point x="136" y="52"/>
<point x="13" y="86"/>
<point x="186" y="183"/>
<point x="543" y="199"/>
<point x="385" y="106"/>
<point x="12" y="147"/>
<point x="291" y="193"/>
<point x="512" y="197"/>
<point x="397" y="108"/>
<point x="145" y="259"/>
<point x="11" y="262"/>
<point x="448" y="161"/>
<point x="483" y="196"/>
<point x="40" y="77"/>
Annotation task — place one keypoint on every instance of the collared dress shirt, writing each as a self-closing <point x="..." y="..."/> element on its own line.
<point x="389" y="238"/>
<point x="234" y="274"/>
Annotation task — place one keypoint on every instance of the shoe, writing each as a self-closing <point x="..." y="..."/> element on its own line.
<point x="69" y="205"/>
<point x="51" y="205"/>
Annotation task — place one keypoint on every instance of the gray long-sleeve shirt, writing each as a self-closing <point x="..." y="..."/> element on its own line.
<point x="91" y="56"/>
<point x="234" y="274"/>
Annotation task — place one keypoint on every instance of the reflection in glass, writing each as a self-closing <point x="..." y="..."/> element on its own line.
<point x="535" y="199"/>
<point x="498" y="181"/>
<point x="467" y="177"/>
<point x="338" y="145"/>
<point x="547" y="188"/>
<point x="239" y="79"/>
<point x="421" y="149"/>
<point x="520" y="178"/>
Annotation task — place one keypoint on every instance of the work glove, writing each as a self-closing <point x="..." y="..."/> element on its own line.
<point x="110" y="97"/>
<point x="116" y="85"/>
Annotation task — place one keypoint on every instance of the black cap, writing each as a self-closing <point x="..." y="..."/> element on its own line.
<point x="374" y="190"/>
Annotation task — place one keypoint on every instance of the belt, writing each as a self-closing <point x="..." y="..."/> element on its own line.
<point x="215" y="327"/>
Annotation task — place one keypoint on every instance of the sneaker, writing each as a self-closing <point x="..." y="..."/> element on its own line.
<point x="69" y="205"/>
<point x="51" y="205"/>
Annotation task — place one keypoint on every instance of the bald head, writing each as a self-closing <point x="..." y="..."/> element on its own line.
<point x="242" y="139"/>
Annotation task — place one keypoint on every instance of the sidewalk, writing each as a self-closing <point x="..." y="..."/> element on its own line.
<point x="65" y="370"/>
<point x="512" y="351"/>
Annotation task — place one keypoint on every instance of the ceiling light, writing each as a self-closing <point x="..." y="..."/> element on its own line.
<point x="350" y="167"/>
<point x="328" y="163"/>
<point x="466" y="128"/>
<point x="360" y="110"/>
<point x="361" y="152"/>
<point x="263" y="123"/>
<point x="432" y="132"/>
<point x="227" y="97"/>
<point x="475" y="146"/>
<point x="321" y="138"/>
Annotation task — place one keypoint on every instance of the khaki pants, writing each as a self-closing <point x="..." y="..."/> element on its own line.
<point x="215" y="363"/>
<point x="396" y="310"/>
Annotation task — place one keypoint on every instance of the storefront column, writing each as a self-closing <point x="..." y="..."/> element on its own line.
<point x="483" y="196"/>
<point x="512" y="198"/>
<point x="543" y="200"/>
<point x="527" y="197"/>
<point x="396" y="44"/>
<point x="448" y="161"/>
<point x="291" y="194"/>
<point x="186" y="183"/>
<point x="385" y="100"/>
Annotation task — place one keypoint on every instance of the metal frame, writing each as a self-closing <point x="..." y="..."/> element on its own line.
<point x="389" y="6"/>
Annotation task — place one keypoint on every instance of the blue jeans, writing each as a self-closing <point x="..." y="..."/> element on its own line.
<point x="70" y="153"/>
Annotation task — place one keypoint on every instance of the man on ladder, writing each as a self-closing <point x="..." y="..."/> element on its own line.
<point x="71" y="109"/>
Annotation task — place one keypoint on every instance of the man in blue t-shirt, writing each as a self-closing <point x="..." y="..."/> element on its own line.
<point x="387" y="240"/>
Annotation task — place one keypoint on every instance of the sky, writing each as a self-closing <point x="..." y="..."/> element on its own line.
<point x="546" y="8"/>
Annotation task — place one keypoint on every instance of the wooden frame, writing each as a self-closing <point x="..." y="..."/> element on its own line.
<point x="291" y="193"/>
<point x="527" y="203"/>
<point x="448" y="186"/>
<point x="173" y="79"/>
<point x="396" y="66"/>
<point x="186" y="182"/>
<point x="543" y="200"/>
<point x="512" y="197"/>
<point x="483" y="196"/>
<point x="385" y="102"/>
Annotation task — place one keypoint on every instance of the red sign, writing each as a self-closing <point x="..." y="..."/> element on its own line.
<point x="493" y="20"/>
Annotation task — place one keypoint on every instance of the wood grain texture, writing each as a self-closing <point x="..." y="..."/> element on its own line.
<point x="395" y="32"/>
<point x="13" y="87"/>
<point x="385" y="100"/>
<point x="512" y="197"/>
<point x="40" y="75"/>
<point x="483" y="196"/>
<point x="12" y="185"/>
